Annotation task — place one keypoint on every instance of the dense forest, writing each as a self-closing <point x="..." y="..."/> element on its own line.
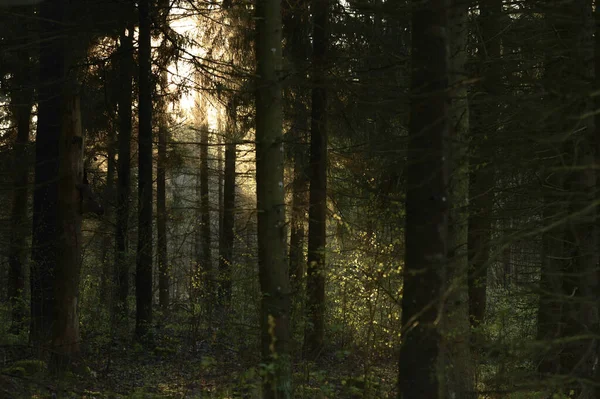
<point x="300" y="199"/>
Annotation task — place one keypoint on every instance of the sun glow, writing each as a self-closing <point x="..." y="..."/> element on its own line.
<point x="181" y="73"/>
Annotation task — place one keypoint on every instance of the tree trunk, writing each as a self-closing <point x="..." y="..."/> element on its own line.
<point x="273" y="273"/>
<point x="296" y="26"/>
<point x="317" y="211"/>
<point x="107" y="262"/>
<point x="143" y="276"/>
<point x="597" y="142"/>
<point x="456" y="361"/>
<point x="206" y="256"/>
<point x="220" y="179"/>
<point x="298" y="222"/>
<point x="574" y="353"/>
<point x="45" y="195"/>
<point x="68" y="267"/>
<point x="580" y="281"/>
<point x="161" y="213"/>
<point x="484" y="112"/>
<point x="121" y="274"/>
<point x="22" y="101"/>
<point x="426" y="203"/>
<point x="227" y="233"/>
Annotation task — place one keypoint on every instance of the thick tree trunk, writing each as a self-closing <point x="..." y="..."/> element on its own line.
<point x="226" y="237"/>
<point x="456" y="361"/>
<point x="45" y="196"/>
<point x="580" y="281"/>
<point x="552" y="266"/>
<point x="22" y="100"/>
<point x="68" y="267"/>
<point x="273" y="273"/>
<point x="573" y="26"/>
<point x="317" y="211"/>
<point x="143" y="276"/>
<point x="426" y="203"/>
<point x="161" y="214"/>
<point x="121" y="273"/>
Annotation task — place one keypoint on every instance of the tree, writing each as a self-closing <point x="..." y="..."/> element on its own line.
<point x="143" y="277"/>
<point x="482" y="115"/>
<point x="296" y="27"/>
<point x="456" y="361"/>
<point x="161" y="204"/>
<point x="579" y="312"/>
<point x="121" y="274"/>
<point x="426" y="231"/>
<point x="226" y="235"/>
<point x="273" y="273"/>
<point x="317" y="208"/>
<point x="45" y="196"/>
<point x="21" y="106"/>
<point x="205" y="258"/>
<point x="71" y="188"/>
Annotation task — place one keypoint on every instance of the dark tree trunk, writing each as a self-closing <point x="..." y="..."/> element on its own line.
<point x="552" y="266"/>
<point x="143" y="276"/>
<point x="580" y="280"/>
<point x="456" y="362"/>
<point x="483" y="113"/>
<point x="206" y="256"/>
<point x="45" y="195"/>
<point x="121" y="274"/>
<point x="299" y="207"/>
<point x="161" y="214"/>
<point x="22" y="100"/>
<point x="220" y="178"/>
<point x="597" y="142"/>
<point x="107" y="240"/>
<point x="426" y="203"/>
<point x="317" y="213"/>
<point x="66" y="338"/>
<point x="272" y="265"/>
<point x="227" y="232"/>
<point x="296" y="27"/>
<point x="569" y="74"/>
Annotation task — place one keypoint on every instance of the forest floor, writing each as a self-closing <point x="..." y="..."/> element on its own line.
<point x="213" y="367"/>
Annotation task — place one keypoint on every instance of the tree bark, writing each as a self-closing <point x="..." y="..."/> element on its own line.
<point x="143" y="277"/>
<point x="580" y="281"/>
<point x="206" y="256"/>
<point x="22" y="101"/>
<point x="317" y="211"/>
<point x="121" y="274"/>
<point x="45" y="195"/>
<point x="226" y="237"/>
<point x="426" y="203"/>
<point x="298" y="219"/>
<point x="161" y="213"/>
<point x="273" y="273"/>
<point x="483" y="114"/>
<point x="70" y="209"/>
<point x="574" y="352"/>
<point x="108" y="263"/>
<point x="456" y="361"/>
